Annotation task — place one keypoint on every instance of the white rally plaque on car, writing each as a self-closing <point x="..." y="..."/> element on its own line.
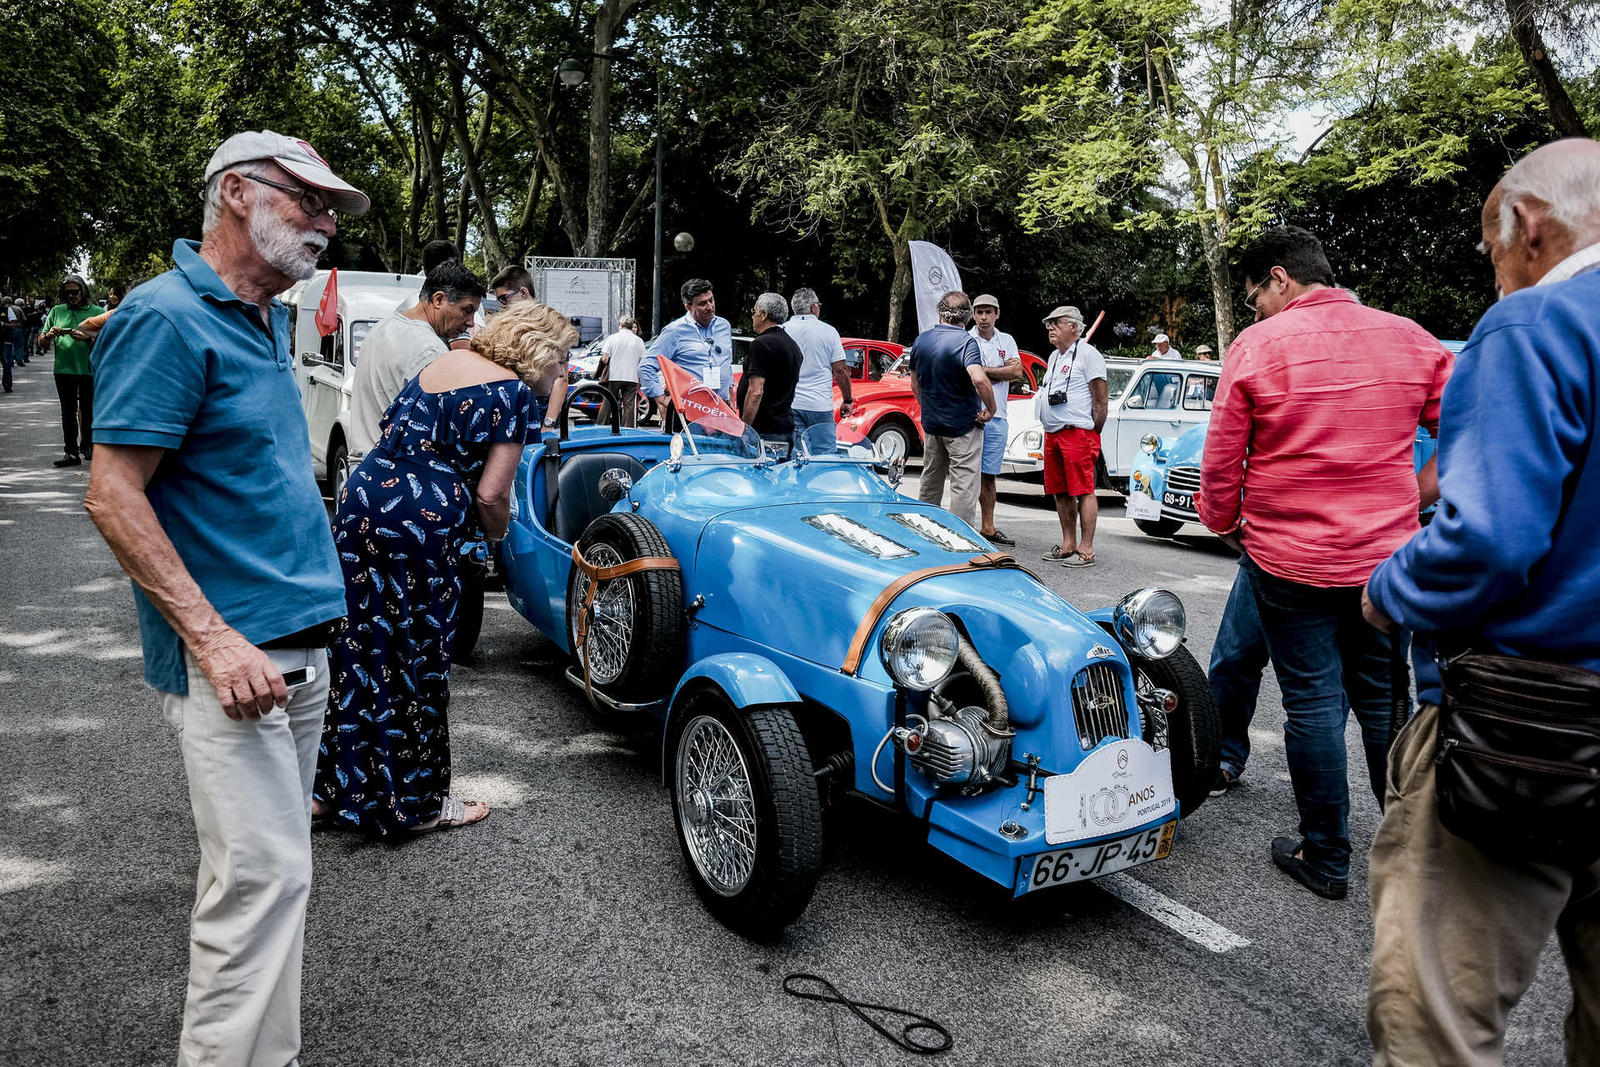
<point x="1117" y="787"/>
<point x="1142" y="507"/>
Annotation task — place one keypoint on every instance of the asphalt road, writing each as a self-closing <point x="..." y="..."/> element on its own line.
<point x="564" y="929"/>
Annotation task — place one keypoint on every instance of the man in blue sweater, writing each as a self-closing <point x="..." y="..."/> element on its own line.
<point x="1510" y="564"/>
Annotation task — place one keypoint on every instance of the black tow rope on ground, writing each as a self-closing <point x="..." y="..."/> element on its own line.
<point x="907" y="1038"/>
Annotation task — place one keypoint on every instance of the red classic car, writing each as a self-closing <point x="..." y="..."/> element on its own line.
<point x="885" y="410"/>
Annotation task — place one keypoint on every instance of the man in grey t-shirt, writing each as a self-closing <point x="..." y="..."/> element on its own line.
<point x="401" y="345"/>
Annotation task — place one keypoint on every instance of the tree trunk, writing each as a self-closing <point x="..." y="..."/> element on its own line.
<point x="494" y="256"/>
<point x="1525" y="31"/>
<point x="599" y="201"/>
<point x="900" y="287"/>
<point x="435" y="159"/>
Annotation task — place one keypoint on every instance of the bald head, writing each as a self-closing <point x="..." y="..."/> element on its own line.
<point x="1545" y="208"/>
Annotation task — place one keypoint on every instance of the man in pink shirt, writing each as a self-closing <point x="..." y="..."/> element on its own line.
<point x="1308" y="470"/>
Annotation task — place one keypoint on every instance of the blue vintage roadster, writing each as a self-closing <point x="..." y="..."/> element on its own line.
<point x="806" y="636"/>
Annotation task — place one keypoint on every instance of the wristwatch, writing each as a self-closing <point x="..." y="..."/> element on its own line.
<point x="551" y="423"/>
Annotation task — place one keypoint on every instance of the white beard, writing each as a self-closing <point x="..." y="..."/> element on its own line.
<point x="283" y="246"/>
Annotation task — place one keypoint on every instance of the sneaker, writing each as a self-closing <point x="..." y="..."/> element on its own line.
<point x="1285" y="854"/>
<point x="68" y="460"/>
<point x="1224" y="782"/>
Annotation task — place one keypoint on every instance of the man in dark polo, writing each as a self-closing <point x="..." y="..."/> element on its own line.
<point x="766" y="389"/>
<point x="953" y="390"/>
<point x="202" y="487"/>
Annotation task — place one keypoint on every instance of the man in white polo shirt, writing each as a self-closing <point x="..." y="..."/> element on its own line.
<point x="823" y="368"/>
<point x="1002" y="364"/>
<point x="1163" y="349"/>
<point x="619" y="367"/>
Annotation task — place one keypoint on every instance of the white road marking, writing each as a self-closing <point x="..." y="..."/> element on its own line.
<point x="1169" y="913"/>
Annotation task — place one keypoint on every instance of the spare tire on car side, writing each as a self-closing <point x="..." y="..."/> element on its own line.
<point x="634" y="651"/>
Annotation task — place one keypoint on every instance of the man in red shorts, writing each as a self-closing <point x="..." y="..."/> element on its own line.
<point x="1071" y="404"/>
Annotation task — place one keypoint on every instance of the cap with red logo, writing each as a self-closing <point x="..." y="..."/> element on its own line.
<point x="295" y="156"/>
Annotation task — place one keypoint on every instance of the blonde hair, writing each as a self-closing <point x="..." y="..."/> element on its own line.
<point x="527" y="337"/>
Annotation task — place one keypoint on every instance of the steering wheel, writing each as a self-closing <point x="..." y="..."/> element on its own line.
<point x="605" y="394"/>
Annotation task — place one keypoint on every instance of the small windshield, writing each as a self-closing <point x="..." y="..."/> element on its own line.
<point x="1117" y="379"/>
<point x="812" y="443"/>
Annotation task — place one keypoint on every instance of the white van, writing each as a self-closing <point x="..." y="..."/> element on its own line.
<point x="324" y="367"/>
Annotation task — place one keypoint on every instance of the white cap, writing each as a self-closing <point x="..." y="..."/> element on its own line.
<point x="985" y="301"/>
<point x="1065" y="311"/>
<point x="295" y="156"/>
<point x="1162" y="338"/>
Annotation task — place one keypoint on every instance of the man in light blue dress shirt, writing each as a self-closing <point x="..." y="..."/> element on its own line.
<point x="701" y="343"/>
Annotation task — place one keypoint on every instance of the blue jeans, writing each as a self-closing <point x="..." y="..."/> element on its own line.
<point x="1237" y="660"/>
<point x="821" y="441"/>
<point x="1323" y="652"/>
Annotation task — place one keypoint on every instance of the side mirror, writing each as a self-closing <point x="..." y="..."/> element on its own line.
<point x="1134" y="402"/>
<point x="310" y="359"/>
<point x="615" y="484"/>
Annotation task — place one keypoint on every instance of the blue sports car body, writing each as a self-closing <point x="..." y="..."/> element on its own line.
<point x="807" y="635"/>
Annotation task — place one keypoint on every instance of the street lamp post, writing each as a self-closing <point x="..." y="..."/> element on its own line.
<point x="573" y="73"/>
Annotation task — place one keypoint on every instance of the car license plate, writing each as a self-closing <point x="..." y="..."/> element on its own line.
<point x="1141" y="506"/>
<point x="1182" y="501"/>
<point x="1091" y="861"/>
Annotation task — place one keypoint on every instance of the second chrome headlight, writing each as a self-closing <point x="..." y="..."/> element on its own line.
<point x="1150" y="622"/>
<point x="919" y="647"/>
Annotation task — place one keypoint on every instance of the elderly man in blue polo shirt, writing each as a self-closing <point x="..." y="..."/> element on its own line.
<point x="202" y="487"/>
<point x="701" y="343"/>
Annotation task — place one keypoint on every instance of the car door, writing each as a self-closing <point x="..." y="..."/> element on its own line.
<point x="324" y="393"/>
<point x="1152" y="403"/>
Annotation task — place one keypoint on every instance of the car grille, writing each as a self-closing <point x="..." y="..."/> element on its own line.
<point x="1183" y="480"/>
<point x="1098" y="705"/>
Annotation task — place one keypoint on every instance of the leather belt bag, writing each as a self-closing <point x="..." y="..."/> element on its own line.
<point x="1518" y="770"/>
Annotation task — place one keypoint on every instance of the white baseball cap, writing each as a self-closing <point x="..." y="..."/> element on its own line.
<point x="295" y="156"/>
<point x="1163" y="338"/>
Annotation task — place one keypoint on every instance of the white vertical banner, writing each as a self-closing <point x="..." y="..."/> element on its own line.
<point x="933" y="274"/>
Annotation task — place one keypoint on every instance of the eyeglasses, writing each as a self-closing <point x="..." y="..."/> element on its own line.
<point x="1250" y="297"/>
<point x="310" y="201"/>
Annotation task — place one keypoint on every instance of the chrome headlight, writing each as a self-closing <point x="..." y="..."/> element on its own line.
<point x="919" y="647"/>
<point x="1032" y="439"/>
<point x="1149" y="443"/>
<point x="1150" y="622"/>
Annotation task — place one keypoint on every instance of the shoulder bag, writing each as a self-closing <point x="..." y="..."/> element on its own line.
<point x="1518" y="764"/>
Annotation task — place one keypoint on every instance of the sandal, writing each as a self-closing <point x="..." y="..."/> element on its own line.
<point x="1078" y="559"/>
<point x="454" y="813"/>
<point x="999" y="537"/>
<point x="1055" y="555"/>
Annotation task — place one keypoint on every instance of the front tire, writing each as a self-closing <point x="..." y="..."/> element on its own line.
<point x="1158" y="527"/>
<point x="748" y="813"/>
<point x="894" y="439"/>
<point x="1192" y="730"/>
<point x="338" y="470"/>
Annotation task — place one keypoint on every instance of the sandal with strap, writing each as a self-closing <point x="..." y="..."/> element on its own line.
<point x="455" y="813"/>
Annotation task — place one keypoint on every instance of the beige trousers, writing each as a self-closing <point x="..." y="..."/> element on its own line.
<point x="250" y="790"/>
<point x="1457" y="934"/>
<point x="959" y="460"/>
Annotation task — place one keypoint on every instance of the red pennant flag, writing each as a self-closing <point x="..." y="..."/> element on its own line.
<point x="696" y="403"/>
<point x="328" y="306"/>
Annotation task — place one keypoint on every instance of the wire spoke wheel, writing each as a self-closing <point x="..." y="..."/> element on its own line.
<point x="718" y="806"/>
<point x="611" y="619"/>
<point x="747" y="810"/>
<point x="1155" y="733"/>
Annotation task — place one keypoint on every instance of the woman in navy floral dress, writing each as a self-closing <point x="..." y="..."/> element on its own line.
<point x="433" y="488"/>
